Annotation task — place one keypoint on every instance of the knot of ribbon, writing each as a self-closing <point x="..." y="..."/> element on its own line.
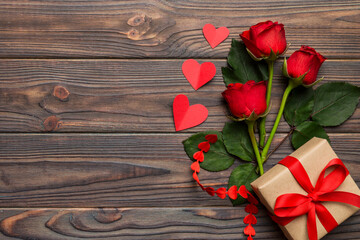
<point x="290" y="206"/>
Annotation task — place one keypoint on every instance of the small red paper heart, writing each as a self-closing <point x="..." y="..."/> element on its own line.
<point x="215" y="36"/>
<point x="212" y="138"/>
<point x="195" y="166"/>
<point x="196" y="74"/>
<point x="204" y="146"/>
<point x="249" y="230"/>
<point x="186" y="116"/>
<point x="199" y="156"/>
<point x="196" y="178"/>
<point x="243" y="191"/>
<point x="250" y="219"/>
<point x="232" y="192"/>
<point x="221" y="192"/>
<point x="251" y="208"/>
<point x="210" y="191"/>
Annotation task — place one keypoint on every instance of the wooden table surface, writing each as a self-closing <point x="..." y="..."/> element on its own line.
<point x="105" y="162"/>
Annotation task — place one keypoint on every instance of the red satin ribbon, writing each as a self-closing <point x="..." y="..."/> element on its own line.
<point x="289" y="206"/>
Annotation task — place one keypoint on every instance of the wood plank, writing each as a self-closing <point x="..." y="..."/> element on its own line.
<point x="127" y="170"/>
<point x="124" y="95"/>
<point x="163" y="29"/>
<point x="146" y="223"/>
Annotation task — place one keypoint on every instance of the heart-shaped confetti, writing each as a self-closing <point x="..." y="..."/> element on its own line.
<point x="198" y="74"/>
<point x="186" y="116"/>
<point x="215" y="36"/>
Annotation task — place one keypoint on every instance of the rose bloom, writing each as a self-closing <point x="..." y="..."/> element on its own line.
<point x="243" y="99"/>
<point x="306" y="60"/>
<point x="264" y="37"/>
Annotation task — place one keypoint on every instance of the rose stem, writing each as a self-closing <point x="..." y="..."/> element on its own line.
<point x="268" y="97"/>
<point x="255" y="146"/>
<point x="287" y="91"/>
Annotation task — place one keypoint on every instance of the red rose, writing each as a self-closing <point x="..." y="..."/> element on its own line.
<point x="264" y="37"/>
<point x="306" y="60"/>
<point x="243" y="99"/>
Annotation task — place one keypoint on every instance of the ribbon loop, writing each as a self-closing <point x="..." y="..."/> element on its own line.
<point x="291" y="205"/>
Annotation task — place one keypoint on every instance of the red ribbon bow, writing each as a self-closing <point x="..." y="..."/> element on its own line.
<point x="291" y="205"/>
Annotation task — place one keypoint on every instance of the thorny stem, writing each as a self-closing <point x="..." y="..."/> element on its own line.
<point x="287" y="91"/>
<point x="255" y="146"/>
<point x="268" y="97"/>
<point x="282" y="141"/>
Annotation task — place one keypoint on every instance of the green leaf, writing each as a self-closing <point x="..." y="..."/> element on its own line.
<point x="242" y="175"/>
<point x="334" y="103"/>
<point x="217" y="159"/>
<point x="306" y="131"/>
<point x="241" y="67"/>
<point x="299" y="106"/>
<point x="237" y="140"/>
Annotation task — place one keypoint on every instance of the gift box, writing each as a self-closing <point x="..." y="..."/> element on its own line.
<point x="297" y="206"/>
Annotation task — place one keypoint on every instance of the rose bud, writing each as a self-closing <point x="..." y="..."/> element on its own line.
<point x="246" y="101"/>
<point x="303" y="66"/>
<point x="265" y="40"/>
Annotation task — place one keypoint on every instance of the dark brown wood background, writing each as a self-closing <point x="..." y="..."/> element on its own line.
<point x="105" y="162"/>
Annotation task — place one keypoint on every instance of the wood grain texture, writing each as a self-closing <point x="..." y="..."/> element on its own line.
<point x="167" y="29"/>
<point x="146" y="223"/>
<point x="112" y="170"/>
<point x="125" y="95"/>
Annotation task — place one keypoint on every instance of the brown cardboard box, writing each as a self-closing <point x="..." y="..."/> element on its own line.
<point x="314" y="156"/>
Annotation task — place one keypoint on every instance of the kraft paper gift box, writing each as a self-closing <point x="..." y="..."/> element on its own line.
<point x="314" y="156"/>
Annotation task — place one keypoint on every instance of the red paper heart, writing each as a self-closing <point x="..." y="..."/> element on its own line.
<point x="204" y="146"/>
<point x="212" y="138"/>
<point x="249" y="230"/>
<point x="199" y="156"/>
<point x="221" y="192"/>
<point x="197" y="74"/>
<point x="195" y="166"/>
<point x="250" y="219"/>
<point x="232" y="192"/>
<point x="243" y="191"/>
<point x="186" y="116"/>
<point x="251" y="208"/>
<point x="215" y="36"/>
<point x="210" y="191"/>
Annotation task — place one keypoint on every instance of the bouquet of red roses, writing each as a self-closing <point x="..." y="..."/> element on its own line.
<point x="248" y="79"/>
